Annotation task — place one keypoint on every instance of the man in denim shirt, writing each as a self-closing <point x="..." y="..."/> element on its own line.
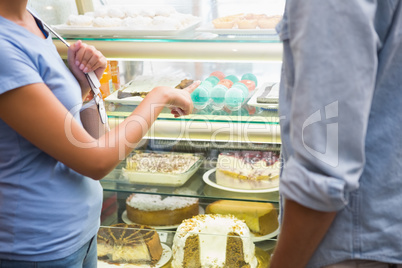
<point x="341" y="128"/>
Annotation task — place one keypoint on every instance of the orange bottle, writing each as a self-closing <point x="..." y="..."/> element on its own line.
<point x="115" y="72"/>
<point x="106" y="82"/>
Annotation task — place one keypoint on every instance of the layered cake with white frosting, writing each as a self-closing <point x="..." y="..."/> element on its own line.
<point x="248" y="169"/>
<point x="213" y="240"/>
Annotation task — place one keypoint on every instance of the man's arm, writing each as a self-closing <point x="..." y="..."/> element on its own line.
<point x="301" y="232"/>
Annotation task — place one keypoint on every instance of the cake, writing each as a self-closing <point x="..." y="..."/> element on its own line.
<point x="155" y="210"/>
<point x="129" y="243"/>
<point x="248" y="170"/>
<point x="213" y="240"/>
<point x="154" y="162"/>
<point x="261" y="218"/>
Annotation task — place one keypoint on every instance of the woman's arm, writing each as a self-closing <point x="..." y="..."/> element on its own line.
<point x="36" y="114"/>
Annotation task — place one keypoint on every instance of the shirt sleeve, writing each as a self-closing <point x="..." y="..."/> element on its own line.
<point x="328" y="80"/>
<point x="17" y="68"/>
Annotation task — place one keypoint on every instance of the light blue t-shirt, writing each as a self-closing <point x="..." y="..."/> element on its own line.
<point x="47" y="210"/>
<point x="341" y="123"/>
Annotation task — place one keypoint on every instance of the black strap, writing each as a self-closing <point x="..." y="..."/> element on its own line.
<point x="40" y="25"/>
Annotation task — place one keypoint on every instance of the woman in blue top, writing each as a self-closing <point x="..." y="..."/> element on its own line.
<point x="50" y="197"/>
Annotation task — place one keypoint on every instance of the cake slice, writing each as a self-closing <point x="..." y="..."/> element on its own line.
<point x="129" y="243"/>
<point x="261" y="218"/>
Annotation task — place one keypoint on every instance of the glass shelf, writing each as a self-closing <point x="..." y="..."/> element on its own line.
<point x="114" y="182"/>
<point x="245" y="115"/>
<point x="261" y="127"/>
<point x="187" y="49"/>
<point x="192" y="37"/>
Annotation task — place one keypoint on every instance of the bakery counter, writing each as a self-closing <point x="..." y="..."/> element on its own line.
<point x="167" y="239"/>
<point x="165" y="208"/>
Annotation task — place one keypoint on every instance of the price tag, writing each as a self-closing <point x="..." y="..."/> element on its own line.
<point x="163" y="236"/>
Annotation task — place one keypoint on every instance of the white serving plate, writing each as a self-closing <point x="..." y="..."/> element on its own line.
<point x="165" y="258"/>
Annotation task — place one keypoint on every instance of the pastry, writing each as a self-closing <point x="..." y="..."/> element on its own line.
<point x="249" y="84"/>
<point x="152" y="162"/>
<point x="184" y="83"/>
<point x="213" y="240"/>
<point x="129" y="243"/>
<point x="134" y="18"/>
<point x="248" y="170"/>
<point x="224" y="23"/>
<point x="218" y="74"/>
<point x="79" y="20"/>
<point x="269" y="22"/>
<point x="243" y="23"/>
<point x="261" y="218"/>
<point x="156" y="210"/>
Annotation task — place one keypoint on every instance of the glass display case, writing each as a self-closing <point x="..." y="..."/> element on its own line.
<point x="245" y="128"/>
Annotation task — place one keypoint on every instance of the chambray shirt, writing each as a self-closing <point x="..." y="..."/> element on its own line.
<point x="47" y="210"/>
<point x="341" y="122"/>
